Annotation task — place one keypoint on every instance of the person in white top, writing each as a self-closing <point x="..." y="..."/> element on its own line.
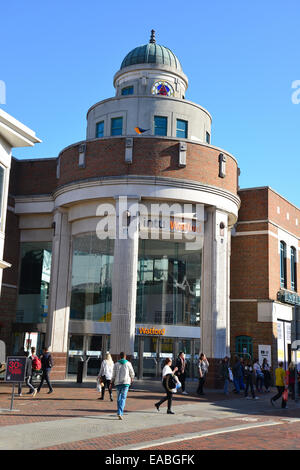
<point x="166" y="374"/>
<point x="105" y="375"/>
<point x="259" y="376"/>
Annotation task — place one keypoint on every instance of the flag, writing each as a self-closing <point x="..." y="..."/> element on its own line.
<point x="139" y="130"/>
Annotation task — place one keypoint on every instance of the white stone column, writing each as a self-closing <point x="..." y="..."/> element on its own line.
<point x="58" y="309"/>
<point x="124" y="282"/>
<point x="215" y="316"/>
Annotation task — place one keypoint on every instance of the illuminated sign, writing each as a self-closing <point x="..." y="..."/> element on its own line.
<point x="151" y="331"/>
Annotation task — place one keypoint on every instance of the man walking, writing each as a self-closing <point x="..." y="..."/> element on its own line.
<point x="123" y="375"/>
<point x="280" y="384"/>
<point x="181" y="371"/>
<point x="47" y="364"/>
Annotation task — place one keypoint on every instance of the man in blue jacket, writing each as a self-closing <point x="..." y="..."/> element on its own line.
<point x="47" y="364"/>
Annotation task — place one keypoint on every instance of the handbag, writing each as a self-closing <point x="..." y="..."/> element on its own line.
<point x="285" y="395"/>
<point x="171" y="382"/>
<point x="230" y="375"/>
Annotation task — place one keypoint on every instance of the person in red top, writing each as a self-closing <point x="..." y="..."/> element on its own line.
<point x="290" y="379"/>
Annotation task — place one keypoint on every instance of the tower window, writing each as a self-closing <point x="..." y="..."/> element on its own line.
<point x="207" y="137"/>
<point x="293" y="269"/>
<point x="100" y="129"/>
<point x="128" y="90"/>
<point x="160" y="125"/>
<point x="181" y="129"/>
<point x="116" y="126"/>
<point x="283" y="278"/>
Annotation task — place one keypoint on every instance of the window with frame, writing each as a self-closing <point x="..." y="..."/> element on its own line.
<point x="293" y="269"/>
<point x="244" y="346"/>
<point x="160" y="125"/>
<point x="128" y="90"/>
<point x="100" y="129"/>
<point x="207" y="137"/>
<point x="181" y="129"/>
<point x="116" y="126"/>
<point x="283" y="276"/>
<point x="1" y="189"/>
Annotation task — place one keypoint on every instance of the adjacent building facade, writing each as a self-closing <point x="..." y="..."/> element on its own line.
<point x="124" y="241"/>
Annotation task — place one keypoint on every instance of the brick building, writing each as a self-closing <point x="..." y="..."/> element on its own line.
<point x="123" y="241"/>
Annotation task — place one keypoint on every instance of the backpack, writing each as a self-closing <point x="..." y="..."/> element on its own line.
<point x="36" y="363"/>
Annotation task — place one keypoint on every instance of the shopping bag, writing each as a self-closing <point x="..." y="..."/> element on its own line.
<point x="285" y="395"/>
<point x="98" y="386"/>
<point x="230" y="375"/>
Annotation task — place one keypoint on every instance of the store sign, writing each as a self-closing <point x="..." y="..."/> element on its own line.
<point x="15" y="369"/>
<point x="288" y="297"/>
<point x="151" y="331"/>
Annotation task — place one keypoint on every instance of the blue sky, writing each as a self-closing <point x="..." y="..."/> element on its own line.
<point x="58" y="58"/>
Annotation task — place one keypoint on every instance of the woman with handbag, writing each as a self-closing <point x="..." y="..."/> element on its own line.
<point x="105" y="375"/>
<point x="169" y="381"/>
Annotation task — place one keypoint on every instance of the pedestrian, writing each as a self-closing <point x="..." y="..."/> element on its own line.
<point x="259" y="376"/>
<point x="28" y="373"/>
<point x="224" y="373"/>
<point x="168" y="379"/>
<point x="47" y="364"/>
<point x="181" y="365"/>
<point x="248" y="374"/>
<point x="203" y="370"/>
<point x="237" y="373"/>
<point x="280" y="384"/>
<point x="290" y="379"/>
<point x="266" y="370"/>
<point x="105" y="375"/>
<point x="122" y="378"/>
<point x="241" y="380"/>
<point x="36" y="366"/>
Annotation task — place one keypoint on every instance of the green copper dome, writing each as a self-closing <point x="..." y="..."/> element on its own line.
<point x="151" y="53"/>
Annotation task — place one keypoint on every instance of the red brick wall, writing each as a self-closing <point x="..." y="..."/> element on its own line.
<point x="153" y="157"/>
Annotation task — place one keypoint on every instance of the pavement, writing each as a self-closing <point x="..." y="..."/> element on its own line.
<point x="72" y="418"/>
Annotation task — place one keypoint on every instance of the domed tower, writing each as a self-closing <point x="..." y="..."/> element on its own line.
<point x="150" y="96"/>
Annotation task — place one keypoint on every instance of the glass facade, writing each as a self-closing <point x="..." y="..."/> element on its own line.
<point x="168" y="283"/>
<point x="91" y="278"/>
<point x="34" y="282"/>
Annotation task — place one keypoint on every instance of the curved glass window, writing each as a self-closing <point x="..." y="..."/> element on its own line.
<point x="283" y="278"/>
<point x="128" y="90"/>
<point x="293" y="269"/>
<point x="169" y="283"/>
<point x="91" y="278"/>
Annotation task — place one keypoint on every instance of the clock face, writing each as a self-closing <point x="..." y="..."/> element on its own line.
<point x="162" y="88"/>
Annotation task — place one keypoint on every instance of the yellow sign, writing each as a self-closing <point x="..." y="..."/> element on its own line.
<point x="151" y="331"/>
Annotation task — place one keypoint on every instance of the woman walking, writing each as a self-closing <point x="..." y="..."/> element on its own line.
<point x="290" y="379"/>
<point x="167" y="377"/>
<point x="267" y="374"/>
<point x="105" y="374"/>
<point x="203" y="369"/>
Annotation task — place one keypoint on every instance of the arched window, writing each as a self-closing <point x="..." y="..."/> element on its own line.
<point x="244" y="346"/>
<point x="283" y="278"/>
<point x="293" y="269"/>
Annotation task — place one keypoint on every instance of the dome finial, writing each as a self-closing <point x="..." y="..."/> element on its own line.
<point x="152" y="38"/>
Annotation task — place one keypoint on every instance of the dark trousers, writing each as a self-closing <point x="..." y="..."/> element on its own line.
<point x="106" y="383"/>
<point x="249" y="383"/>
<point x="200" y="385"/>
<point x="45" y="377"/>
<point x="181" y="379"/>
<point x="278" y="395"/>
<point x="168" y="397"/>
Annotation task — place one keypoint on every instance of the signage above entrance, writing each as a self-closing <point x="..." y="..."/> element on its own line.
<point x="288" y="297"/>
<point x="151" y="331"/>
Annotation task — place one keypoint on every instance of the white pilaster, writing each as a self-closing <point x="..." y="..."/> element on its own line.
<point x="58" y="312"/>
<point x="124" y="281"/>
